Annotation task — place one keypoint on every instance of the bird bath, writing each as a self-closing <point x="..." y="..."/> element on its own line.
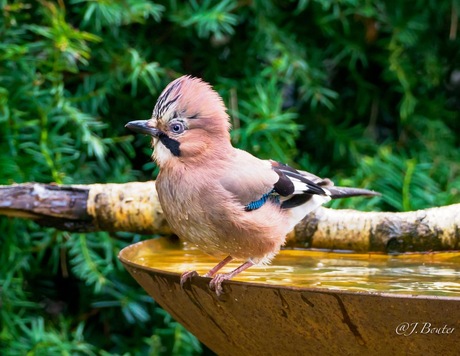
<point x="309" y="302"/>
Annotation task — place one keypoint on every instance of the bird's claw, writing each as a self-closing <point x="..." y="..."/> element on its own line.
<point x="186" y="276"/>
<point x="216" y="283"/>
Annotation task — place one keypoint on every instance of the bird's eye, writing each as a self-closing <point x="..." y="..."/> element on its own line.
<point x="177" y="127"/>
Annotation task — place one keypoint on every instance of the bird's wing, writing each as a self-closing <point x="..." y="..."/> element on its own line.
<point x="253" y="182"/>
<point x="248" y="178"/>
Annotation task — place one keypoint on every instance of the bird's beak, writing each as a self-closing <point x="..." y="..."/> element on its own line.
<point x="142" y="127"/>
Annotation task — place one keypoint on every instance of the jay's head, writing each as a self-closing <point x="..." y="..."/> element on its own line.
<point x="189" y="120"/>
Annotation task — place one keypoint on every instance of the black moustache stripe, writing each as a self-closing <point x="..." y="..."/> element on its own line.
<point x="170" y="144"/>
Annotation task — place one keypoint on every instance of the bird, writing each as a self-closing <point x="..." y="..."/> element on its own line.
<point x="225" y="201"/>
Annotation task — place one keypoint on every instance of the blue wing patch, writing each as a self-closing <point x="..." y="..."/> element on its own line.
<point x="256" y="204"/>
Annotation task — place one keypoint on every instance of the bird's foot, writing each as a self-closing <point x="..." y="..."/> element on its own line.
<point x="216" y="282"/>
<point x="186" y="276"/>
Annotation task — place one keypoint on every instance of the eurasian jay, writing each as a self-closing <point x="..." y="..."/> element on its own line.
<point x="224" y="200"/>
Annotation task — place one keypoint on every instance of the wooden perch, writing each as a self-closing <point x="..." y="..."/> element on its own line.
<point x="135" y="207"/>
<point x="130" y="207"/>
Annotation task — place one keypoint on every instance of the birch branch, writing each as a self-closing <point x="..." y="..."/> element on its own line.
<point x="134" y="207"/>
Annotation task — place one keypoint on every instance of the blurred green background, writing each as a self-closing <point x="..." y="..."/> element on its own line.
<point x="364" y="92"/>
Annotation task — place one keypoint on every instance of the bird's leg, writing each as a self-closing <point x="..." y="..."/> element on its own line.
<point x="189" y="274"/>
<point x="216" y="282"/>
<point x="217" y="267"/>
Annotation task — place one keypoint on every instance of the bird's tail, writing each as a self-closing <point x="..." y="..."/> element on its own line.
<point x="345" y="192"/>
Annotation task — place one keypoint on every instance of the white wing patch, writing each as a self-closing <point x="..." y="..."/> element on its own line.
<point x="302" y="188"/>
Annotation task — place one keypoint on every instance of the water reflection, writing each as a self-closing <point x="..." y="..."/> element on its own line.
<point x="427" y="274"/>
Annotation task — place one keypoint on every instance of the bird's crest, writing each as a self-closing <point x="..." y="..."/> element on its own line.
<point x="192" y="99"/>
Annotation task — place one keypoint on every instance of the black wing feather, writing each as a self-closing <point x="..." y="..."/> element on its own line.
<point x="285" y="187"/>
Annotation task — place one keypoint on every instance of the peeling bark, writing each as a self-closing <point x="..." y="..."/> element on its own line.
<point x="130" y="207"/>
<point x="135" y="207"/>
<point x="433" y="229"/>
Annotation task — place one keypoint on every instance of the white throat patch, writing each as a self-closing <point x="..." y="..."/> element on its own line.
<point x="161" y="154"/>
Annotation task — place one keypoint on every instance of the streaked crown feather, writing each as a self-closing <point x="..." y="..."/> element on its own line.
<point x="192" y="98"/>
